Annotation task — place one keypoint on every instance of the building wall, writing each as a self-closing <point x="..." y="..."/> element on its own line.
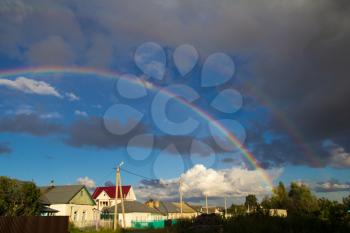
<point x="80" y="215"/>
<point x="103" y="200"/>
<point x="82" y="198"/>
<point x="139" y="217"/>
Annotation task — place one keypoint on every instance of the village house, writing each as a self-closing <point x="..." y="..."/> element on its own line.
<point x="73" y="201"/>
<point x="172" y="210"/>
<point x="137" y="215"/>
<point x="105" y="196"/>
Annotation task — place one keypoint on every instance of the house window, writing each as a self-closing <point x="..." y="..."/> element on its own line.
<point x="83" y="216"/>
<point x="75" y="216"/>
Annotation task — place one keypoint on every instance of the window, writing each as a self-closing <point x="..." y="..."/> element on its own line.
<point x="83" y="216"/>
<point x="75" y="216"/>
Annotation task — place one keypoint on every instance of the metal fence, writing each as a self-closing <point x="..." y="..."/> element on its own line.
<point x="37" y="224"/>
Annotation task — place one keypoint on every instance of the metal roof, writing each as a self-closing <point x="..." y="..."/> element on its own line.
<point x="60" y="194"/>
<point x="132" y="207"/>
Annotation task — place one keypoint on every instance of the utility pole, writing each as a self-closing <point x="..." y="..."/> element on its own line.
<point x="206" y="203"/>
<point x="116" y="203"/>
<point x="122" y="197"/>
<point x="180" y="191"/>
<point x="225" y="208"/>
<point x="118" y="184"/>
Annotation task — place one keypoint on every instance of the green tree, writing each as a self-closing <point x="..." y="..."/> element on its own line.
<point x="18" y="198"/>
<point x="251" y="202"/>
<point x="237" y="210"/>
<point x="346" y="202"/>
<point x="302" y="201"/>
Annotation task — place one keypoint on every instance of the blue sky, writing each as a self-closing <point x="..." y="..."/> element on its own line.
<point x="63" y="126"/>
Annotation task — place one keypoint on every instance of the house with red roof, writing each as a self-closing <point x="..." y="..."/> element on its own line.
<point x="105" y="196"/>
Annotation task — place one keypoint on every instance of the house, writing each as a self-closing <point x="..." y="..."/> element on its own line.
<point x="105" y="196"/>
<point x="74" y="201"/>
<point x="172" y="210"/>
<point x="278" y="213"/>
<point x="203" y="210"/>
<point x="212" y="210"/>
<point x="137" y="215"/>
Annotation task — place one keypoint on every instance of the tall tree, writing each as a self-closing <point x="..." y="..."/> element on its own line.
<point x="251" y="202"/>
<point x="18" y="198"/>
<point x="346" y="202"/>
<point x="302" y="201"/>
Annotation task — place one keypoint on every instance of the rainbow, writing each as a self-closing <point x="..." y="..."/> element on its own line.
<point x="150" y="86"/>
<point x="289" y="126"/>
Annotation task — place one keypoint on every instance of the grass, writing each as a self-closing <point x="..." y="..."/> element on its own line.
<point x="75" y="230"/>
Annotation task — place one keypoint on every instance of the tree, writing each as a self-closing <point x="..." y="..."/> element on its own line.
<point x="237" y="210"/>
<point x="302" y="201"/>
<point x="18" y="198"/>
<point x="346" y="202"/>
<point x="251" y="202"/>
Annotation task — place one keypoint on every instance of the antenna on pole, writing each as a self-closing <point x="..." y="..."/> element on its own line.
<point x="180" y="191"/>
<point x="206" y="203"/>
<point x="225" y="208"/>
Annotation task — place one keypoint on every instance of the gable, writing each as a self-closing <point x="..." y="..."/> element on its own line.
<point x="83" y="197"/>
<point x="103" y="195"/>
<point x="111" y="191"/>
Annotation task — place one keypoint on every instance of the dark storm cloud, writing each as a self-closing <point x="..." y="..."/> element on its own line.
<point x="30" y="124"/>
<point x="91" y="132"/>
<point x="5" y="148"/>
<point x="332" y="185"/>
<point x="298" y="52"/>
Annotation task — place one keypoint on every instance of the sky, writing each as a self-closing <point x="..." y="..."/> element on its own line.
<point x="228" y="96"/>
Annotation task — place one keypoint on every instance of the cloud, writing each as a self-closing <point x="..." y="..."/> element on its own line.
<point x="30" y="124"/>
<point x="50" y="115"/>
<point x="29" y="110"/>
<point x="30" y="86"/>
<point x="332" y="185"/>
<point x="339" y="157"/>
<point x="89" y="183"/>
<point x="5" y="148"/>
<point x="80" y="113"/>
<point x="289" y="44"/>
<point x="200" y="181"/>
<point x="51" y="51"/>
<point x="71" y="96"/>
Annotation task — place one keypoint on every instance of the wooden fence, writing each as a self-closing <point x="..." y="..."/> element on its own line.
<point x="54" y="224"/>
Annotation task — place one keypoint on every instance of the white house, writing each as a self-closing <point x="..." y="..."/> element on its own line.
<point x="73" y="201"/>
<point x="105" y="196"/>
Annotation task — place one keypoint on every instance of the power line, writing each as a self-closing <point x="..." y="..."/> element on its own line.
<point x="135" y="174"/>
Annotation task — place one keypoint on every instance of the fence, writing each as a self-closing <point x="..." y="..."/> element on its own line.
<point x="54" y="224"/>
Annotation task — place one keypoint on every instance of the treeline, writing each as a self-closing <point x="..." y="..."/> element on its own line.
<point x="18" y="198"/>
<point x="298" y="200"/>
<point x="306" y="214"/>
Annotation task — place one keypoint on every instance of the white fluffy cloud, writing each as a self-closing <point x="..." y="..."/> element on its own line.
<point x="200" y="181"/>
<point x="339" y="157"/>
<point x="89" y="183"/>
<point x="80" y="113"/>
<point x="30" y="86"/>
<point x="71" y="96"/>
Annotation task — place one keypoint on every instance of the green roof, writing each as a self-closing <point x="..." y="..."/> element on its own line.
<point x="60" y="194"/>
